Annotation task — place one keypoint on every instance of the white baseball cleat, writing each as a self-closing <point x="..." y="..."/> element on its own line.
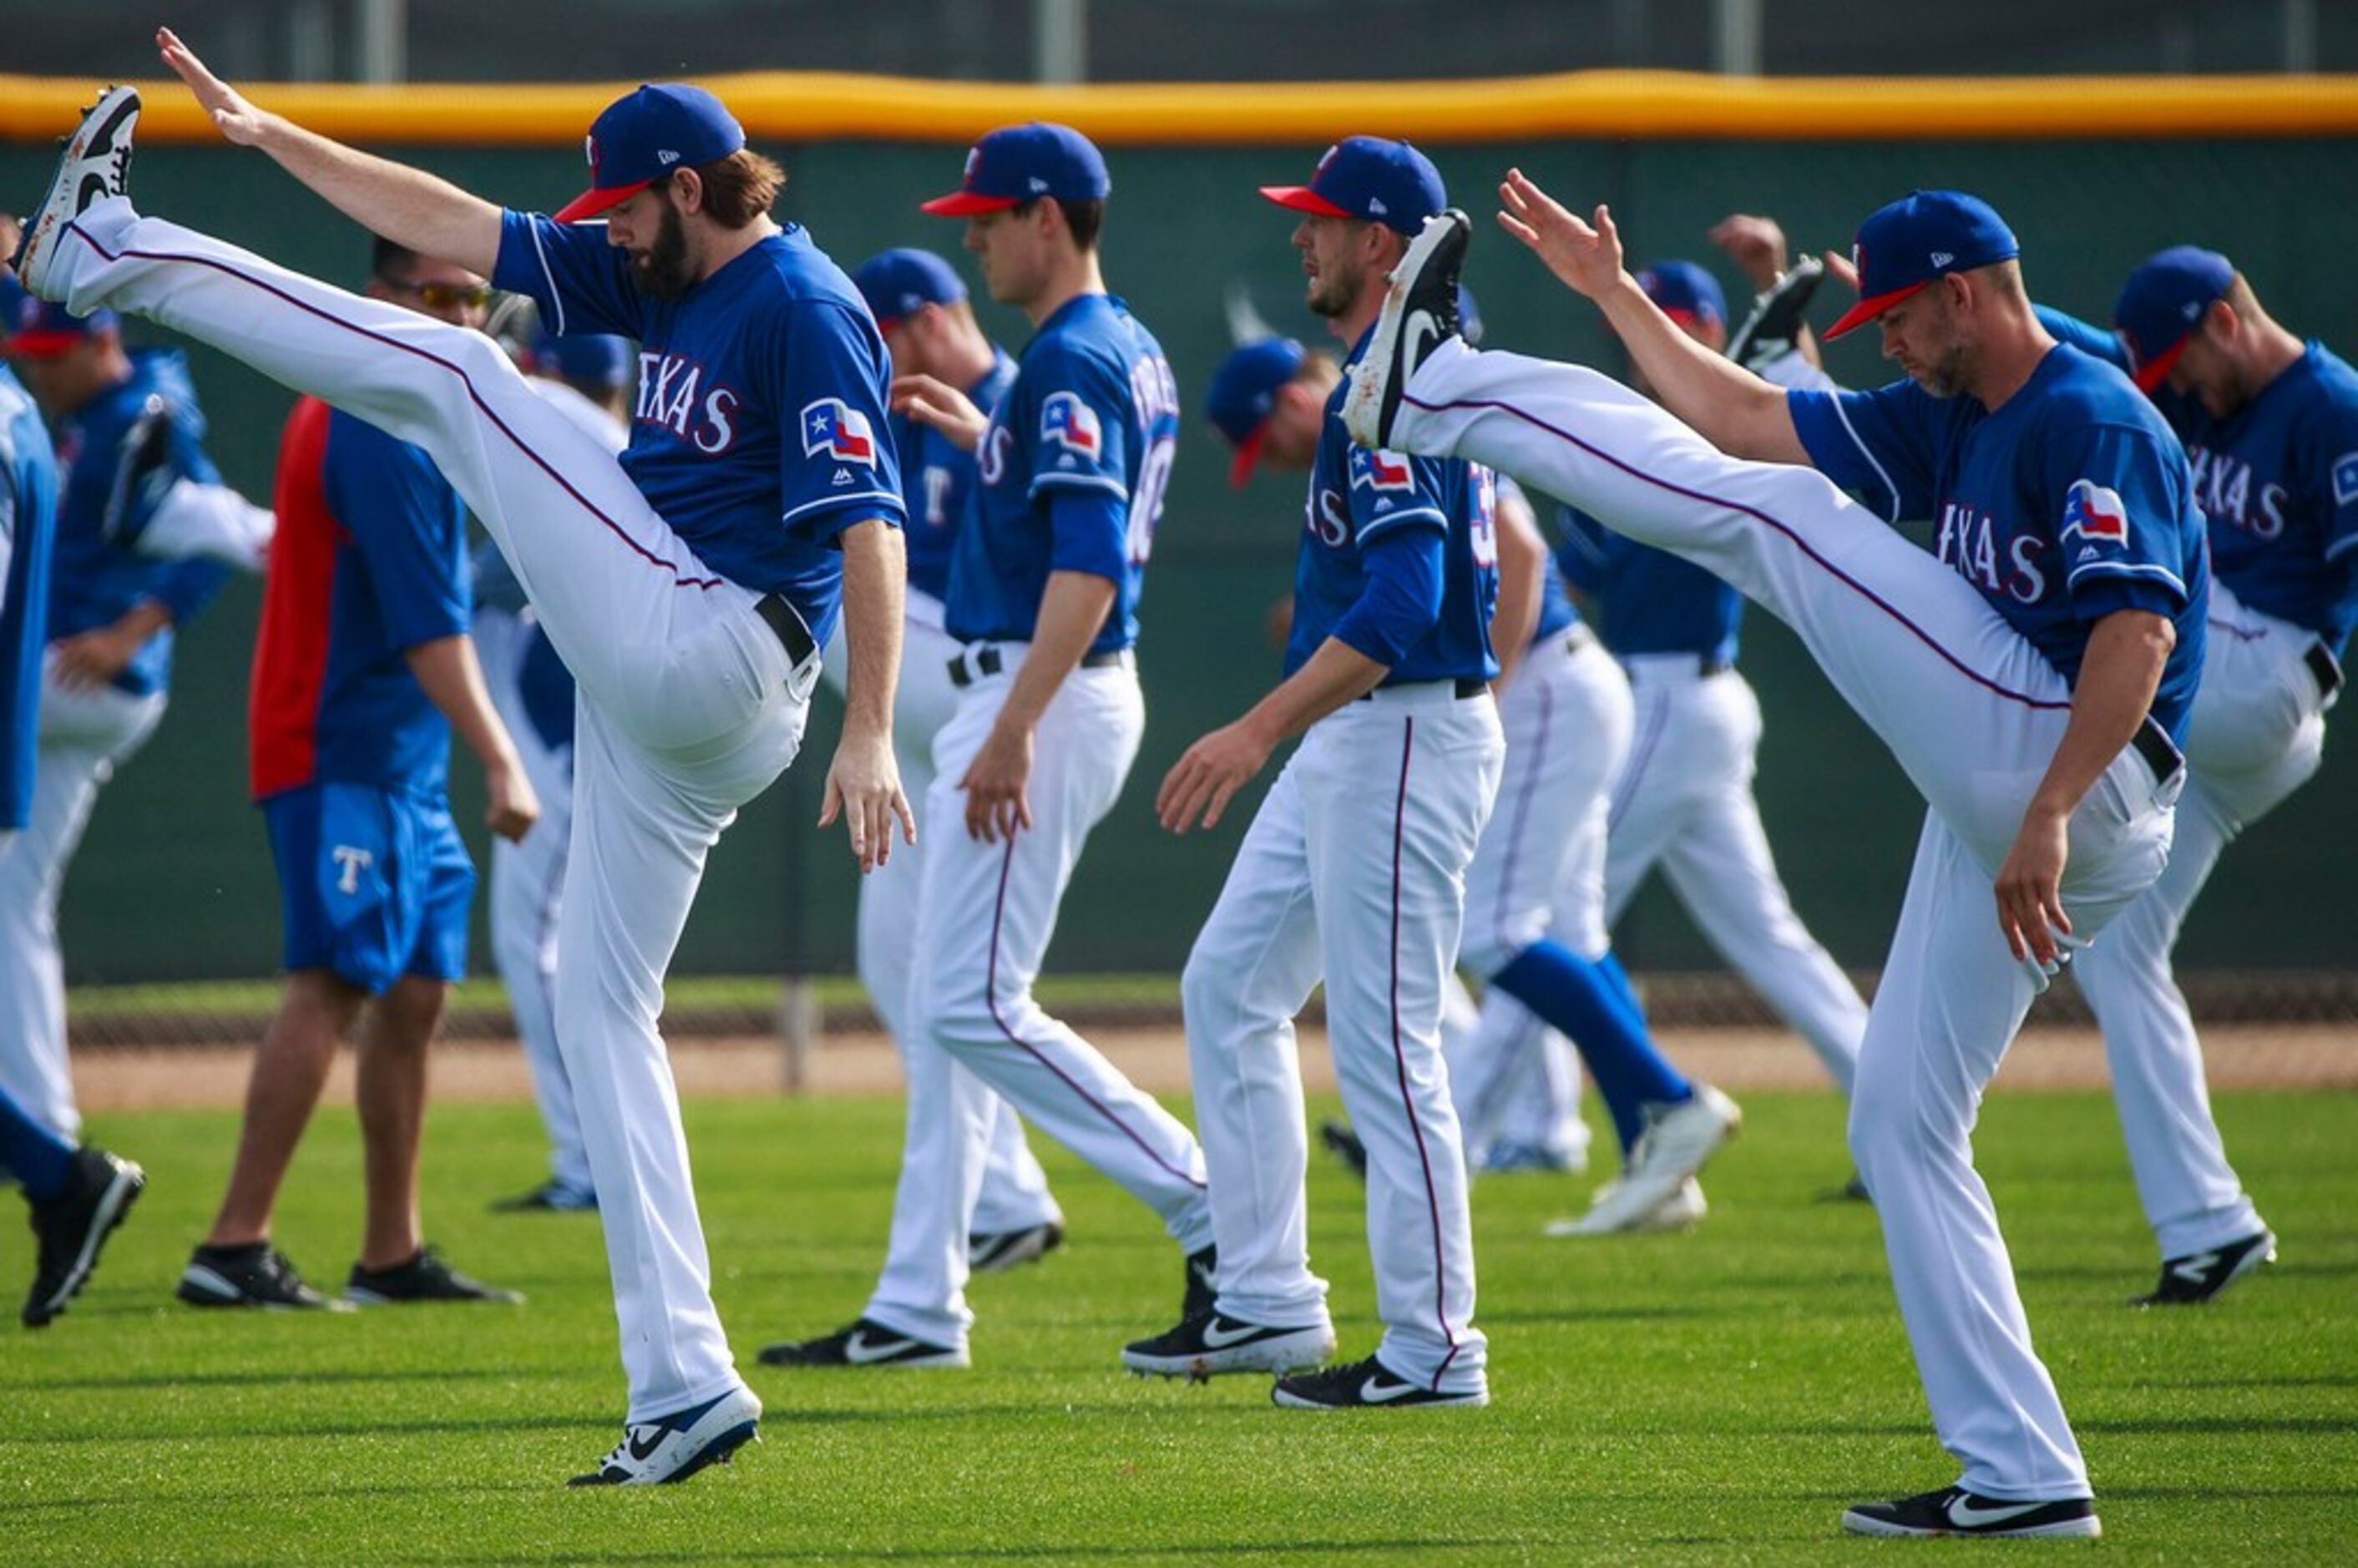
<point x="653" y="1453"/>
<point x="1420" y="314"/>
<point x="1671" y="1152"/>
<point x="1683" y="1210"/>
<point x="96" y="164"/>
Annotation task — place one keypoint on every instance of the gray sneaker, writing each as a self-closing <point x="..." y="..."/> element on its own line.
<point x="254" y="1276"/>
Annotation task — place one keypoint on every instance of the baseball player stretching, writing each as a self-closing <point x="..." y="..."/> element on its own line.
<point x="1044" y="585"/>
<point x="2270" y="425"/>
<point x="2029" y="678"/>
<point x="686" y="588"/>
<point x="587" y="379"/>
<point x="920" y="305"/>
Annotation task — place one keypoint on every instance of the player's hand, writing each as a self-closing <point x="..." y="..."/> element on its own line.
<point x="996" y="804"/>
<point x="1755" y="243"/>
<point x="1839" y="268"/>
<point x="1588" y="260"/>
<point x="940" y="406"/>
<point x="90" y="659"/>
<point x="863" y="787"/>
<point x="2030" y="889"/>
<point x="513" y="807"/>
<point x="1204" y="779"/>
<point x="238" y="121"/>
<point x="11" y="234"/>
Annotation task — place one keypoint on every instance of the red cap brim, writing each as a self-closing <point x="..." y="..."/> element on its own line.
<point x="965" y="204"/>
<point x="1248" y="453"/>
<point x="2151" y="374"/>
<point x="590" y="203"/>
<point x="40" y="345"/>
<point x="1302" y="198"/>
<point x="1867" y="309"/>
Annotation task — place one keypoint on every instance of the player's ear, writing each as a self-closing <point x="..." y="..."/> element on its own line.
<point x="686" y="191"/>
<point x="2220" y="321"/>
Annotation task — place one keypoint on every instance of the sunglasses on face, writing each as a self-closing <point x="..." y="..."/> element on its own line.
<point x="443" y="296"/>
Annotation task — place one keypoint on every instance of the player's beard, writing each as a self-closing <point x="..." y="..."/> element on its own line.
<point x="665" y="271"/>
<point x="1335" y="294"/>
<point x="1946" y="376"/>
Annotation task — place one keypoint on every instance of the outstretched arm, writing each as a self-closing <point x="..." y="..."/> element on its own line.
<point x="407" y="206"/>
<point x="1735" y="410"/>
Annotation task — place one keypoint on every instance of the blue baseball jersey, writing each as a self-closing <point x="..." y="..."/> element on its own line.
<point x="2068" y="503"/>
<point x="119" y="453"/>
<point x="1356" y="496"/>
<point x="759" y="433"/>
<point x="1092" y="414"/>
<point x="1650" y="601"/>
<point x="1557" y="612"/>
<point x="544" y="686"/>
<point x="939" y="476"/>
<point x="28" y="514"/>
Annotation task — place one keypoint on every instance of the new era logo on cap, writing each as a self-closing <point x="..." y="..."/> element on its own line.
<point x="1372" y="179"/>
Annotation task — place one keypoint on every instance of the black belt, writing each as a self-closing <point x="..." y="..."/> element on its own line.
<point x="979" y="664"/>
<point x="2325" y="668"/>
<point x="1462" y="688"/>
<point x="789" y="627"/>
<point x="2161" y="752"/>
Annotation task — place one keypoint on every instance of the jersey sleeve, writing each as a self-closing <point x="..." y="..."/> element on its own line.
<point x="580" y="283"/>
<point x="2085" y="336"/>
<point x="399" y="511"/>
<point x="2119" y="501"/>
<point x="836" y="457"/>
<point x="1387" y="490"/>
<point x="1877" y="445"/>
<point x="1079" y="426"/>
<point x="2333" y="462"/>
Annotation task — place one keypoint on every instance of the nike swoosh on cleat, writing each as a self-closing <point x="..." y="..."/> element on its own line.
<point x="860" y="1350"/>
<point x="2194" y="1270"/>
<point x="1965" y="1516"/>
<point x="1217" y="1337"/>
<point x="1418" y="331"/>
<point x="654" y="1440"/>
<point x="1375" y="1391"/>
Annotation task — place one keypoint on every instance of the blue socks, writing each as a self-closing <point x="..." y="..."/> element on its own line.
<point x="1595" y="1006"/>
<point x="39" y="1158"/>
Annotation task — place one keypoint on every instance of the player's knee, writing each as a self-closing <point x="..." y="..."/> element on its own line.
<point x="953" y="1008"/>
<point x="1206" y="989"/>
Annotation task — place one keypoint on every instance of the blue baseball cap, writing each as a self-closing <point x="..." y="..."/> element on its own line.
<point x="591" y="358"/>
<point x="1244" y="394"/>
<point x="2161" y="304"/>
<point x="41" y="330"/>
<point x="900" y="283"/>
<point x="643" y="136"/>
<point x="1926" y="234"/>
<point x="1685" y="292"/>
<point x="1023" y="163"/>
<point x="1372" y="179"/>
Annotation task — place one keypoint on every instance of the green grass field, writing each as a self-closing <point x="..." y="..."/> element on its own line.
<point x="1710" y="1398"/>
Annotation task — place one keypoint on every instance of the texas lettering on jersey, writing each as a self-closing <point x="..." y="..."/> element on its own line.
<point x="671" y="395"/>
<point x="2229" y="494"/>
<point x="1972" y="544"/>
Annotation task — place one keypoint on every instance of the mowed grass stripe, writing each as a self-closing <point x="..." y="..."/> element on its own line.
<point x="1714" y="1398"/>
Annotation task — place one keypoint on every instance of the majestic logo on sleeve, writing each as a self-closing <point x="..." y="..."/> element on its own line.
<point x="2095" y="515"/>
<point x="1380" y="472"/>
<point x="1071" y="423"/>
<point x="833" y="428"/>
<point x="2345" y="478"/>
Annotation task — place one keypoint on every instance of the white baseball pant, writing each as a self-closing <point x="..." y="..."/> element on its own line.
<point x="1972" y="712"/>
<point x="1015" y="1193"/>
<point x="1685" y="803"/>
<point x="690" y="705"/>
<point x="1354" y="870"/>
<point x="83" y="735"/>
<point x="984" y="917"/>
<point x="2258" y="734"/>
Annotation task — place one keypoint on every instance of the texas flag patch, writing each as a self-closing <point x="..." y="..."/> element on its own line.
<point x="834" y="427"/>
<point x="1380" y="471"/>
<point x="2095" y="513"/>
<point x="2345" y="478"/>
<point x="1071" y="423"/>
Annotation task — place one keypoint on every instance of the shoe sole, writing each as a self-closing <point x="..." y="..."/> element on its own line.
<point x="1363" y="405"/>
<point x="1293" y="1353"/>
<point x="1283" y="1400"/>
<point x="937" y="1361"/>
<point x="61" y="203"/>
<point x="722" y="1450"/>
<point x="360" y="1296"/>
<point x="2087" y="1528"/>
<point x="114" y="1205"/>
<point x="215" y="1291"/>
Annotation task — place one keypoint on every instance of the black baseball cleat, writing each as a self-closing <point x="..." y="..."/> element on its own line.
<point x="1952" y="1510"/>
<point x="1203" y="1272"/>
<point x="424" y="1277"/>
<point x="1364" y="1385"/>
<point x="1205" y="1346"/>
<point x="1343" y="1140"/>
<point x="865" y="1344"/>
<point x="1774" y="326"/>
<point x="654" y="1452"/>
<point x="70" y="1229"/>
<point x="96" y="163"/>
<point x="996" y="1251"/>
<point x="257" y="1275"/>
<point x="1420" y="314"/>
<point x="552" y="1197"/>
<point x="2200" y="1277"/>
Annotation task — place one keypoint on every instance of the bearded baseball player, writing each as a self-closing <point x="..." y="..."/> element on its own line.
<point x="921" y="307"/>
<point x="1072" y="465"/>
<point x="687" y="588"/>
<point x="2030" y="678"/>
<point x="2270" y="425"/>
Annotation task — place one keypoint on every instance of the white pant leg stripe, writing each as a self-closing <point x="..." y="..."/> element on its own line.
<point x="1502" y="909"/>
<point x="998" y="913"/>
<point x="490" y="417"/>
<point x="1962" y="668"/>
